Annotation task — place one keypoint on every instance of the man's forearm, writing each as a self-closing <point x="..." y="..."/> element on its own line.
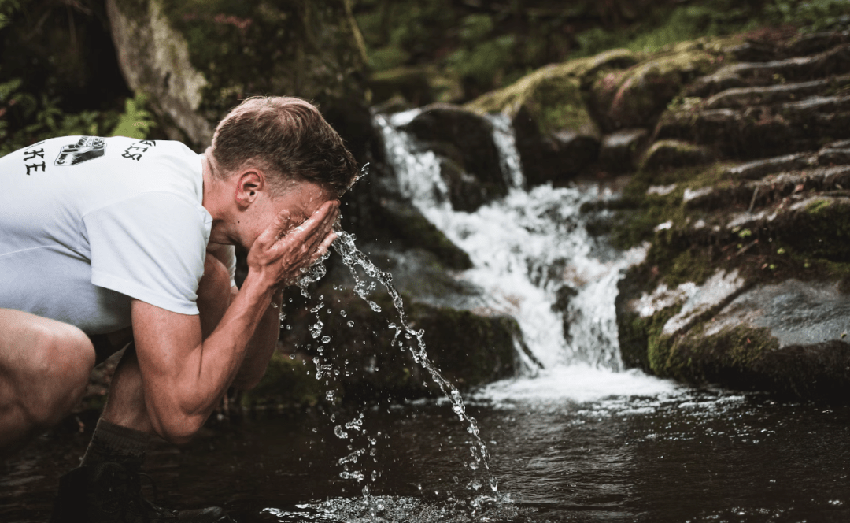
<point x="260" y="348"/>
<point x="183" y="386"/>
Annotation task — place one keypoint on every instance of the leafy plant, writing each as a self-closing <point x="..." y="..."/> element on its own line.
<point x="135" y="121"/>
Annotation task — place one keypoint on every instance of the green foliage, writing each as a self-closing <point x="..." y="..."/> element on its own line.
<point x="811" y="15"/>
<point x="7" y="8"/>
<point x="388" y="57"/>
<point x="485" y="61"/>
<point x="35" y="118"/>
<point x="135" y="121"/>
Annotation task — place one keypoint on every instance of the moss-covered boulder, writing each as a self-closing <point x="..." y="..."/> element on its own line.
<point x="349" y="350"/>
<point x="403" y="222"/>
<point x="674" y="153"/>
<point x="745" y="278"/>
<point x="786" y="337"/>
<point x="196" y="60"/>
<point x="555" y="134"/>
<point x="637" y="97"/>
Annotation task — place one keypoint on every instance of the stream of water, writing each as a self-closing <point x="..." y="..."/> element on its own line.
<point x="575" y="437"/>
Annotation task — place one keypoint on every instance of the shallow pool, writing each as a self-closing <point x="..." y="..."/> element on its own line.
<point x="680" y="456"/>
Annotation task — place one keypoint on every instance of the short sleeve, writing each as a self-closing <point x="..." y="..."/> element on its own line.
<point x="150" y="247"/>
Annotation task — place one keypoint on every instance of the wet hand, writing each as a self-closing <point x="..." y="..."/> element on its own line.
<point x="282" y="251"/>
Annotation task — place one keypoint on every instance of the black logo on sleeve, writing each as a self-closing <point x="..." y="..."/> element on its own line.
<point x="85" y="149"/>
<point x="135" y="151"/>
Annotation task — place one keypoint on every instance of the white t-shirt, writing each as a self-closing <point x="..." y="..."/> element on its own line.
<point x="88" y="223"/>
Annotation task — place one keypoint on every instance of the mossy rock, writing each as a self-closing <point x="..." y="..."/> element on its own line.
<point x="403" y="222"/>
<point x="673" y="154"/>
<point x="749" y="358"/>
<point x="555" y="134"/>
<point x="552" y="94"/>
<point x="196" y="60"/>
<point x="820" y="228"/>
<point x="362" y="361"/>
<point x="638" y="96"/>
<point x="289" y="382"/>
<point x="470" y="136"/>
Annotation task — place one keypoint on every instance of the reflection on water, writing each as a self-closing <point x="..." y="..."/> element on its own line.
<point x="671" y="456"/>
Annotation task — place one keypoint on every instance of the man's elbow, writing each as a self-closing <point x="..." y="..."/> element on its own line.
<point x="248" y="381"/>
<point x="177" y="428"/>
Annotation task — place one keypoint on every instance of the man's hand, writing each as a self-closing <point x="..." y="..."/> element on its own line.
<point x="280" y="253"/>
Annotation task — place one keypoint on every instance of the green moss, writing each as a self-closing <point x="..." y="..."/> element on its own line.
<point x="818" y="206"/>
<point x="470" y="349"/>
<point x="659" y="346"/>
<point x="306" y="49"/>
<point x="822" y="231"/>
<point x="721" y="357"/>
<point x="553" y="95"/>
<point x="634" y="227"/>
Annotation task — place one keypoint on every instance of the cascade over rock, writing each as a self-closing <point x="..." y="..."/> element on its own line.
<point x="468" y="139"/>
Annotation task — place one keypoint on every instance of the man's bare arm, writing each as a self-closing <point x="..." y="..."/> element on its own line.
<point x="260" y="348"/>
<point x="184" y="375"/>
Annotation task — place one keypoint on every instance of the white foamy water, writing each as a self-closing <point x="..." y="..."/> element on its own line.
<point x="577" y="383"/>
<point x="524" y="248"/>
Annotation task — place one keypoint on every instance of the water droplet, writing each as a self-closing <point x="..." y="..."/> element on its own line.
<point x="330" y="395"/>
<point x="326" y="339"/>
<point x="341" y="434"/>
<point x="350" y="323"/>
<point x="343" y="314"/>
<point x="316" y="329"/>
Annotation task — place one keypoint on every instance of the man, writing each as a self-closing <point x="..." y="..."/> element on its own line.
<point x="105" y="238"/>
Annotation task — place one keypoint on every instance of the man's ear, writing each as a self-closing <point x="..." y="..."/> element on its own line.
<point x="249" y="183"/>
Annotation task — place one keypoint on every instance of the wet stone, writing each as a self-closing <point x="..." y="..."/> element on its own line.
<point x="742" y="97"/>
<point x="761" y="168"/>
<point x="674" y="153"/>
<point x="455" y="125"/>
<point x="620" y="149"/>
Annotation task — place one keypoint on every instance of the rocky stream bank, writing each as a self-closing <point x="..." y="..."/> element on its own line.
<point x="737" y="156"/>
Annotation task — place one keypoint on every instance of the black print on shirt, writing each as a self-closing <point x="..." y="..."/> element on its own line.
<point x="33" y="154"/>
<point x="85" y="149"/>
<point x="135" y="151"/>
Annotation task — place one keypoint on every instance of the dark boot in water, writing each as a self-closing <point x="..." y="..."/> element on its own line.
<point x="112" y="493"/>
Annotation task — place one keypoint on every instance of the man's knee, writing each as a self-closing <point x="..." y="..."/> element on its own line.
<point x="62" y="358"/>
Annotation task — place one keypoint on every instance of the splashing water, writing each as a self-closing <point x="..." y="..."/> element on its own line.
<point x="408" y="338"/>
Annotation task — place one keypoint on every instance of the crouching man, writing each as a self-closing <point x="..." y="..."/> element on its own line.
<point x="107" y="240"/>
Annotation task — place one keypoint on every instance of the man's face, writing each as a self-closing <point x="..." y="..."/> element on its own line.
<point x="301" y="200"/>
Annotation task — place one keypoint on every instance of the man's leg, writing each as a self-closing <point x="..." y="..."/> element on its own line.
<point x="44" y="369"/>
<point x="108" y="478"/>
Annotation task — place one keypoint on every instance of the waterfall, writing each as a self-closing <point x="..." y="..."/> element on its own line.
<point x="527" y="248"/>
